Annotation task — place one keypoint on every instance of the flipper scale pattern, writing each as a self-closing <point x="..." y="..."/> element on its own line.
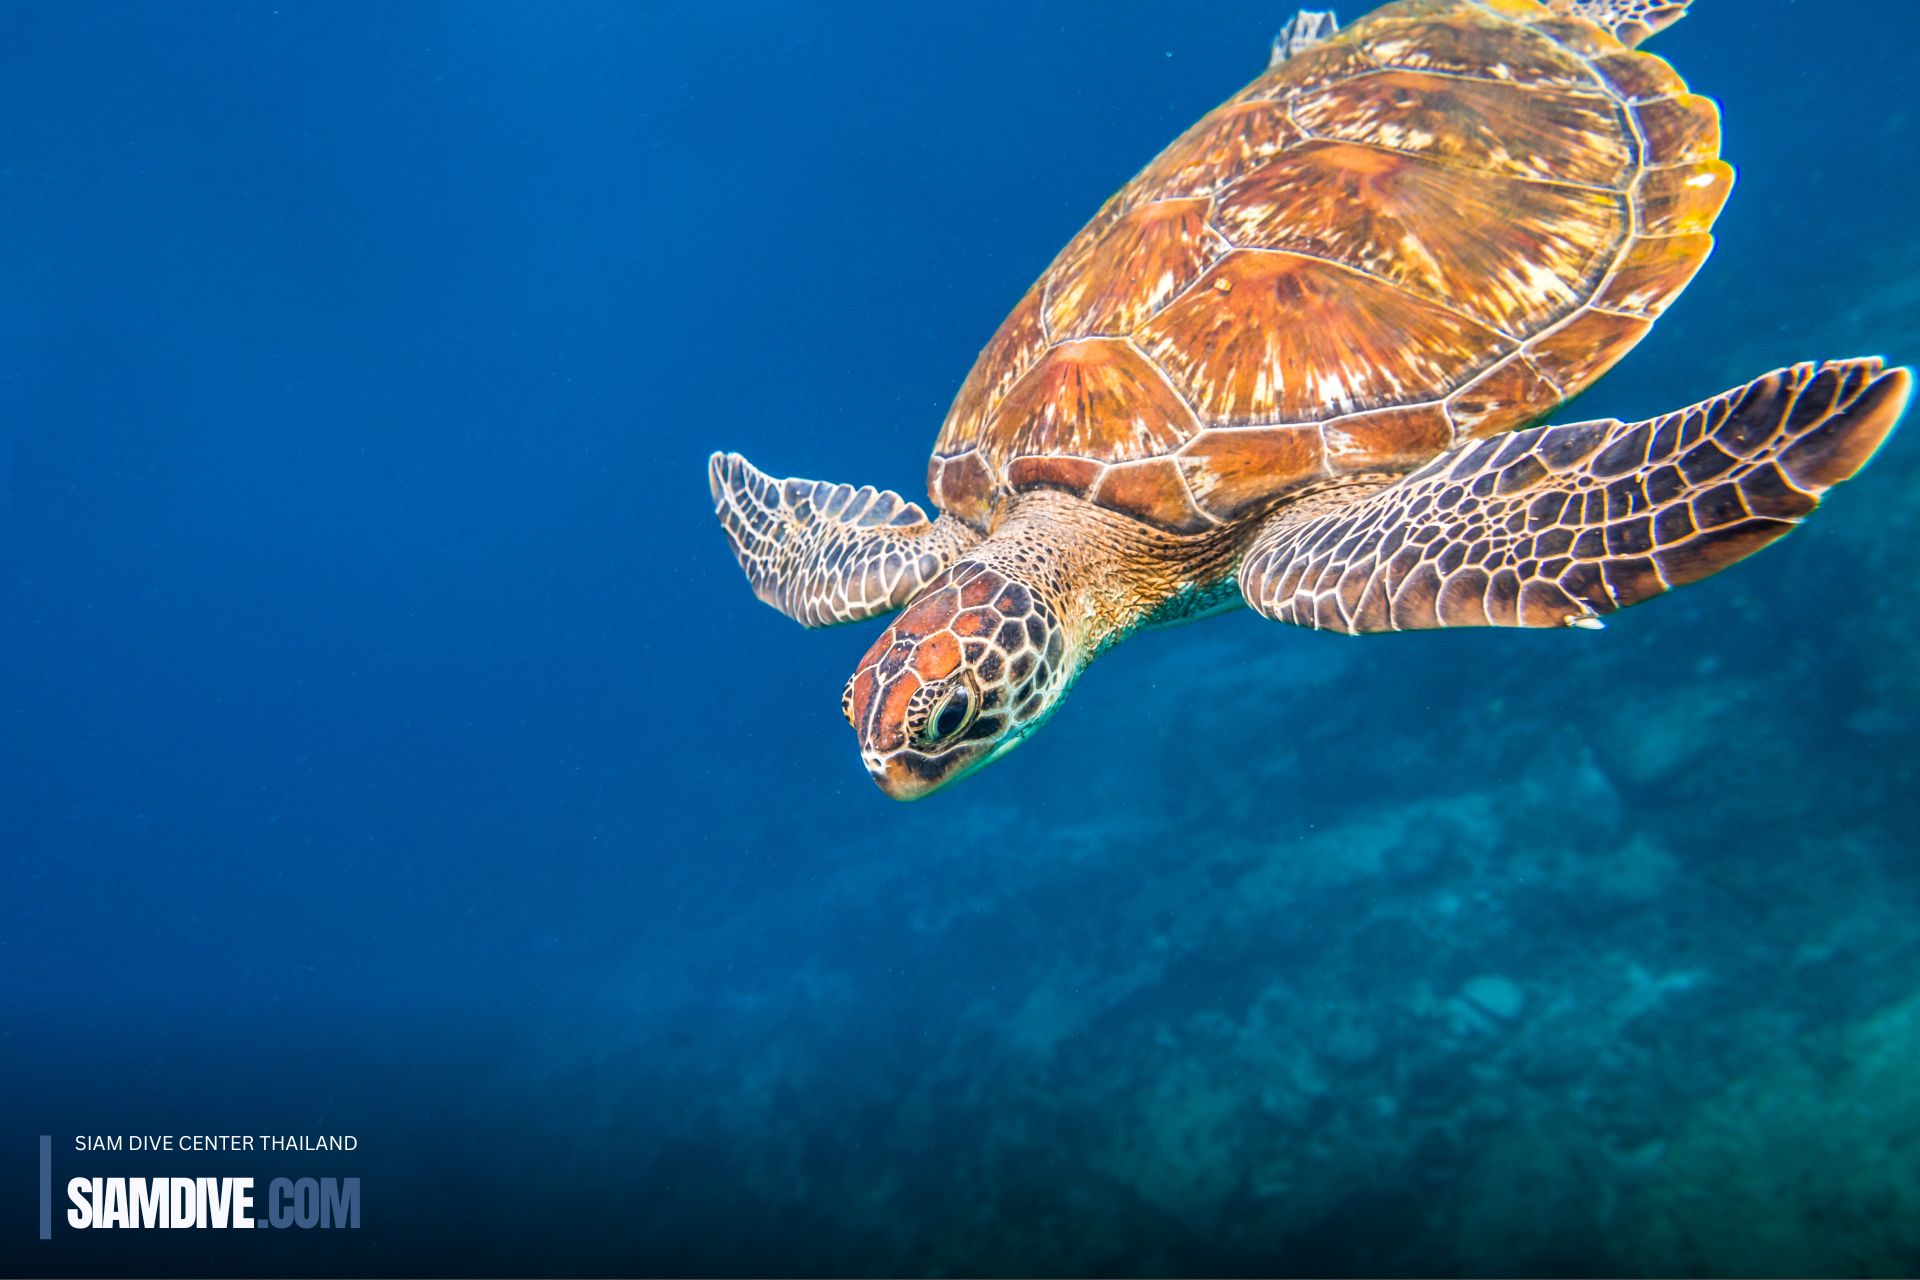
<point x="1556" y="526"/>
<point x="825" y="553"/>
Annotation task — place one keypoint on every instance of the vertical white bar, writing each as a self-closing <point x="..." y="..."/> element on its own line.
<point x="46" y="1186"/>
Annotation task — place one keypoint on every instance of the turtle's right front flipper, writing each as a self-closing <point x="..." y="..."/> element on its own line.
<point x="826" y="553"/>
<point x="1554" y="526"/>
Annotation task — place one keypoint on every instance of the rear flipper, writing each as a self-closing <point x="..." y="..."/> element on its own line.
<point x="1303" y="31"/>
<point x="825" y="553"/>
<point x="1630" y="21"/>
<point x="1554" y="526"/>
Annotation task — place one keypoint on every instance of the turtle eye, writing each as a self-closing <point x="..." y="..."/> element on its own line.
<point x="951" y="715"/>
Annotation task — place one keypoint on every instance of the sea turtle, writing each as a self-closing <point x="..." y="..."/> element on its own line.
<point x="1297" y="362"/>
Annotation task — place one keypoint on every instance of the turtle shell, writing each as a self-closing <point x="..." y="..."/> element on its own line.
<point x="1436" y="225"/>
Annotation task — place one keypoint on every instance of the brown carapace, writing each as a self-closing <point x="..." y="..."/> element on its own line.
<point x="1296" y="363"/>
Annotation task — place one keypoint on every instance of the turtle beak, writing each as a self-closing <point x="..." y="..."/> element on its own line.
<point x="898" y="778"/>
<point x="908" y="775"/>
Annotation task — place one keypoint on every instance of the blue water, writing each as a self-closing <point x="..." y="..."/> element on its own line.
<point x="391" y="747"/>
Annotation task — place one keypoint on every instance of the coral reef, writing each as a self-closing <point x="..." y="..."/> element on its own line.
<point x="1281" y="953"/>
<point x="1577" y="958"/>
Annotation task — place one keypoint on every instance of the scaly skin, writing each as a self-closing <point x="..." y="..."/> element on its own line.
<point x="988" y="651"/>
<point x="1282" y="364"/>
<point x="1628" y="21"/>
<point x="829" y="553"/>
<point x="1547" y="527"/>
<point x="1557" y="526"/>
<point x="1561" y="524"/>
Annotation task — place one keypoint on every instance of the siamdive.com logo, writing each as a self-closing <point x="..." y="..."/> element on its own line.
<point x="224" y="1203"/>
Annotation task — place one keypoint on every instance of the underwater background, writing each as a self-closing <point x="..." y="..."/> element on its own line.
<point x="391" y="747"/>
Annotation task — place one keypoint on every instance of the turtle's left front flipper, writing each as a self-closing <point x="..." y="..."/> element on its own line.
<point x="1554" y="526"/>
<point x="825" y="553"/>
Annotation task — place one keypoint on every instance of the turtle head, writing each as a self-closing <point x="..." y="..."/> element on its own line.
<point x="972" y="666"/>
